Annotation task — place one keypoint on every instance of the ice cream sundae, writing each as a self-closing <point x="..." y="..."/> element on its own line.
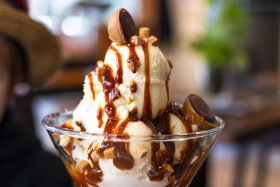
<point x="135" y="126"/>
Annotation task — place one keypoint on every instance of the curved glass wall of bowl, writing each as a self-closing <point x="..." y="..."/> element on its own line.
<point x="88" y="167"/>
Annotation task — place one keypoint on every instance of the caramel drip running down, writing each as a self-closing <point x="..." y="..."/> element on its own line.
<point x="91" y="85"/>
<point x="119" y="72"/>
<point x="147" y="112"/>
<point x="99" y="117"/>
<point x="123" y="160"/>
<point x="106" y="77"/>
<point x="132" y="58"/>
<point x="94" y="174"/>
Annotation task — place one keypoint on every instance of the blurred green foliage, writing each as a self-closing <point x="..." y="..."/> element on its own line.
<point x="224" y="43"/>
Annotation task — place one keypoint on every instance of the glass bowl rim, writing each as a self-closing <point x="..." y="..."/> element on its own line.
<point x="123" y="137"/>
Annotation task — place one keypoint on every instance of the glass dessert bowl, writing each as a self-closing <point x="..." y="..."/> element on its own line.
<point x="129" y="160"/>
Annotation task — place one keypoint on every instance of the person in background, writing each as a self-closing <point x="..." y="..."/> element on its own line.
<point x="28" y="53"/>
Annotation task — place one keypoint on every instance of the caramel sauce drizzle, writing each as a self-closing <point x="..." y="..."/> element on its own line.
<point x="159" y="156"/>
<point x="93" y="175"/>
<point x="123" y="160"/>
<point x="119" y="72"/>
<point x="91" y="85"/>
<point x="167" y="89"/>
<point x="133" y="58"/>
<point x="147" y="112"/>
<point x="99" y="117"/>
<point x="105" y="76"/>
<point x="81" y="125"/>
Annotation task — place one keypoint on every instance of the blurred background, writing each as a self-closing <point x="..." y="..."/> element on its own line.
<point x="227" y="51"/>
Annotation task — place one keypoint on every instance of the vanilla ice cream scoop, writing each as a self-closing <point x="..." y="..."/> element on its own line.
<point x="132" y="78"/>
<point x="147" y="84"/>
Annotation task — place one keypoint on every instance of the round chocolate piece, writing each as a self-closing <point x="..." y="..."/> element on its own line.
<point x="121" y="26"/>
<point x="202" y="108"/>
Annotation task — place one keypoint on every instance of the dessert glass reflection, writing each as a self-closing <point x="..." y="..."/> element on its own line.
<point x="130" y="167"/>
